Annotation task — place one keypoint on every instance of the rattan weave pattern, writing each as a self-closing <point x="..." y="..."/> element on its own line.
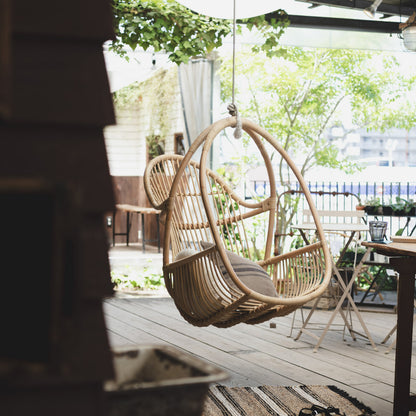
<point x="201" y="207"/>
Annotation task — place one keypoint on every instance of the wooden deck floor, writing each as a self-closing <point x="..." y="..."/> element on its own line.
<point x="257" y="355"/>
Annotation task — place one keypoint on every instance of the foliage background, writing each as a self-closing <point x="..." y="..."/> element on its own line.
<point x="299" y="93"/>
<point x="167" y="25"/>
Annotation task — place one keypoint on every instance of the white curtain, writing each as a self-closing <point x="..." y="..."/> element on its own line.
<point x="196" y="84"/>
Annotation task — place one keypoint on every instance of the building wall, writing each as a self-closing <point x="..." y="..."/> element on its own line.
<point x="126" y="144"/>
<point x="395" y="147"/>
<point x="401" y="143"/>
<point x="142" y="109"/>
<point x="139" y="108"/>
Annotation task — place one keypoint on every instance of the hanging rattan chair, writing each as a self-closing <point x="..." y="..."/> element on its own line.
<point x="207" y="251"/>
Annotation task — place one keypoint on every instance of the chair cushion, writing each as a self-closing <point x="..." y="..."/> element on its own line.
<point x="250" y="273"/>
<point x="186" y="252"/>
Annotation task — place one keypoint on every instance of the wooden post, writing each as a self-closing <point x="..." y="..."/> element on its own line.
<point x="56" y="354"/>
<point x="406" y="267"/>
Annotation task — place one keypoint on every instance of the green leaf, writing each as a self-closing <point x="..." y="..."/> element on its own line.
<point x="167" y="25"/>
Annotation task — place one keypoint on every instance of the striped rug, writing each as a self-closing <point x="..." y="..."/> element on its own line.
<point x="279" y="401"/>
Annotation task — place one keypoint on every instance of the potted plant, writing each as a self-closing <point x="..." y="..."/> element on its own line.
<point x="373" y="206"/>
<point x="360" y="206"/>
<point x="403" y="207"/>
<point x="352" y="257"/>
<point x="155" y="146"/>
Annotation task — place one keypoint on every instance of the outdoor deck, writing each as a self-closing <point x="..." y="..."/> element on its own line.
<point x="258" y="355"/>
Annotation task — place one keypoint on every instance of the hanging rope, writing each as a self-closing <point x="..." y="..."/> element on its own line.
<point x="232" y="108"/>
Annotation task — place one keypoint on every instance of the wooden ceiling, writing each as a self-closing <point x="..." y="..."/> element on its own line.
<point x="388" y="8"/>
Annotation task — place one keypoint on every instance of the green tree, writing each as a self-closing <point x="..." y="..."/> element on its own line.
<point x="298" y="95"/>
<point x="401" y="113"/>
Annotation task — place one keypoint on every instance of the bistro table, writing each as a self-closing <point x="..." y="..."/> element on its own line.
<point x="402" y="257"/>
<point x="349" y="229"/>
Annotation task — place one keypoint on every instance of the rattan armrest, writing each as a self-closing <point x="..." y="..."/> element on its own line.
<point x="189" y="259"/>
<point x="276" y="259"/>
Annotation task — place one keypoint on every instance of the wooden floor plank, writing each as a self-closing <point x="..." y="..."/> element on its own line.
<point x="312" y="369"/>
<point x="253" y="342"/>
<point x="127" y="334"/>
<point x="249" y="346"/>
<point x="366" y="356"/>
<point x="200" y="349"/>
<point x="117" y="340"/>
<point x="255" y="355"/>
<point x="352" y="366"/>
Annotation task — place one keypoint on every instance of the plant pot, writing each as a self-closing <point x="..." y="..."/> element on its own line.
<point x="388" y="211"/>
<point x="372" y="210"/>
<point x="158" y="381"/>
<point x="379" y="210"/>
<point x="410" y="213"/>
<point x="349" y="256"/>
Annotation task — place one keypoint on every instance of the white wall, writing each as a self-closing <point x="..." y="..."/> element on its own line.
<point x="126" y="141"/>
<point x="126" y="144"/>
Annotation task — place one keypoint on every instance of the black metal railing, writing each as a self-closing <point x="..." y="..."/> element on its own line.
<point x="347" y="195"/>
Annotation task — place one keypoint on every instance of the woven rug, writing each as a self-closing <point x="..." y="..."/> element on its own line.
<point x="279" y="401"/>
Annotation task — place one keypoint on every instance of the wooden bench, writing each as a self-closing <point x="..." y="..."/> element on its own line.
<point x="142" y="211"/>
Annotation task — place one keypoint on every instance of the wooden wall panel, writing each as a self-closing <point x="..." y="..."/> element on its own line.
<point x="60" y="82"/>
<point x="150" y="220"/>
<point x="91" y="19"/>
<point x="68" y="400"/>
<point x="85" y="351"/>
<point x="126" y="191"/>
<point x="73" y="156"/>
<point x="5" y="58"/>
<point x="39" y="301"/>
<point x="93" y="259"/>
<point x="59" y="103"/>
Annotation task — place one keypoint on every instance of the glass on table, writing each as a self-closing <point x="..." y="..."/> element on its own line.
<point x="377" y="230"/>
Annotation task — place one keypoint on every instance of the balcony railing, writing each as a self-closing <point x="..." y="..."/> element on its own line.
<point x="347" y="195"/>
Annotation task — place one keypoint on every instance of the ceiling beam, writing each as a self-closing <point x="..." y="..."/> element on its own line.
<point x="385" y="8"/>
<point x="338" y="23"/>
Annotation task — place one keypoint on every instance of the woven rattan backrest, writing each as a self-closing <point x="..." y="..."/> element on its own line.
<point x="189" y="226"/>
<point x="199" y="204"/>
